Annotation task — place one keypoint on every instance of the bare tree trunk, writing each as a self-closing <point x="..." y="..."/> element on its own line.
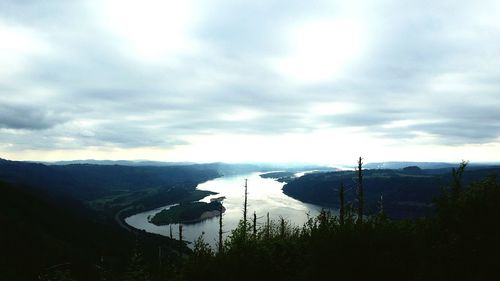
<point x="342" y="204"/>
<point x="282" y="227"/>
<point x="254" y="225"/>
<point x="180" y="242"/>
<point x="268" y="227"/>
<point x="220" y="230"/>
<point x="361" y="200"/>
<point x="245" y="211"/>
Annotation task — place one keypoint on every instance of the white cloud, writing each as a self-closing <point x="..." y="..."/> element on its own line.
<point x="153" y="30"/>
<point x="322" y="49"/>
<point x="241" y="80"/>
<point x="18" y="46"/>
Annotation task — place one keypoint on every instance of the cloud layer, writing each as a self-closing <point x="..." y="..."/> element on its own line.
<point x="159" y="74"/>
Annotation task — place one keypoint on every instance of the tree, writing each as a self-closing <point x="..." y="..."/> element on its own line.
<point x="457" y="178"/>
<point x="359" y="190"/>
<point x="268" y="227"/>
<point x="381" y="205"/>
<point x="221" y="245"/>
<point x="136" y="270"/>
<point x="180" y="243"/>
<point x="199" y="264"/>
<point x="254" y="225"/>
<point x="342" y="204"/>
<point x="245" y="205"/>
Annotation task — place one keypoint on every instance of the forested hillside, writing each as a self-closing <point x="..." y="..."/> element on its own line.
<point x="457" y="242"/>
<point x="87" y="182"/>
<point x="405" y="193"/>
<point x="60" y="238"/>
<point x="65" y="218"/>
<point x="41" y="238"/>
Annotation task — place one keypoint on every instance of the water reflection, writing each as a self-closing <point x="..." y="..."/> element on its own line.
<point x="264" y="195"/>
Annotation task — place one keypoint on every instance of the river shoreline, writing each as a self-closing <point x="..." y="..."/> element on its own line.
<point x="204" y="216"/>
<point x="265" y="195"/>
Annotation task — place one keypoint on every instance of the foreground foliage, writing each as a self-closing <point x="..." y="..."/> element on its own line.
<point x="458" y="243"/>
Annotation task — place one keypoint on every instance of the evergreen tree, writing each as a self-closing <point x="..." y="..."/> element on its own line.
<point x="457" y="178"/>
<point x="136" y="270"/>
<point x="342" y="204"/>
<point x="245" y="205"/>
<point x="359" y="190"/>
<point x="221" y="243"/>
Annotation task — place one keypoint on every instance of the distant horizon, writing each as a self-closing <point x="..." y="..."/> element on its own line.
<point x="242" y="81"/>
<point x="354" y="163"/>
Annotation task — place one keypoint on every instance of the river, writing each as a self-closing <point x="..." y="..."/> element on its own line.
<point x="264" y="195"/>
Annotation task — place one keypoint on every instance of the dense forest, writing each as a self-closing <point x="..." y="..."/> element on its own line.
<point x="47" y="237"/>
<point x="407" y="193"/>
<point x="41" y="238"/>
<point x="71" y="216"/>
<point x="90" y="182"/>
<point x="456" y="242"/>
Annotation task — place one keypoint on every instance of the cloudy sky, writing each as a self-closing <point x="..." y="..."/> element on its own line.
<point x="308" y="81"/>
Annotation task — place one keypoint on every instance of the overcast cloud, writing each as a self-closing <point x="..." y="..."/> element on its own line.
<point x="177" y="77"/>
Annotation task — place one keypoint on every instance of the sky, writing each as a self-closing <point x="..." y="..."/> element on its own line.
<point x="250" y="81"/>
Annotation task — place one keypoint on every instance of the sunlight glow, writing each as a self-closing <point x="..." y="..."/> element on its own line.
<point x="322" y="50"/>
<point x="17" y="46"/>
<point x="240" y="115"/>
<point x="408" y="123"/>
<point x="332" y="108"/>
<point x="154" y="28"/>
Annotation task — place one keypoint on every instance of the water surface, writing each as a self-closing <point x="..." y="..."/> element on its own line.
<point x="264" y="196"/>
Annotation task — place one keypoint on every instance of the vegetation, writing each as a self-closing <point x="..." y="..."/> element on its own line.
<point x="185" y="213"/>
<point x="42" y="239"/>
<point x="56" y="219"/>
<point x="457" y="243"/>
<point x="111" y="192"/>
<point x="359" y="191"/>
<point x="279" y="176"/>
<point x="87" y="182"/>
<point x="407" y="193"/>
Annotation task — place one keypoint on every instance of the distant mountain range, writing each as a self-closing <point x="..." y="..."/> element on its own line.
<point x="425" y="165"/>
<point x="264" y="167"/>
<point x="118" y="162"/>
<point x="90" y="181"/>
<point x="222" y="168"/>
<point x="110" y="185"/>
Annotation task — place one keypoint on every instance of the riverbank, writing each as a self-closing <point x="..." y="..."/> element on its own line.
<point x="264" y="196"/>
<point x="186" y="213"/>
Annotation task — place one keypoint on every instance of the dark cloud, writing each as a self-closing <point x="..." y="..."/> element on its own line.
<point x="28" y="117"/>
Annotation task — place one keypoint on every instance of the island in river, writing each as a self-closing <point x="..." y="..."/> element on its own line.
<point x="281" y="176"/>
<point x="188" y="213"/>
